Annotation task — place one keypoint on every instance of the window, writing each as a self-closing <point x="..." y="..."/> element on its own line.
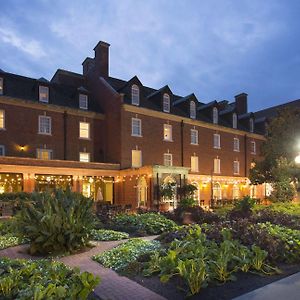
<point x="194" y="164"/>
<point x="253" y="147"/>
<point x="192" y="110"/>
<point x="236" y="167"/>
<point x="194" y="137"/>
<point x="44" y="94"/>
<point x="217" y="191"/>
<point x="217" y="141"/>
<point x="234" y="120"/>
<point x="135" y="95"/>
<point x="168" y="159"/>
<point x="235" y="192"/>
<point x="83" y="101"/>
<point x="44" y="154"/>
<point x="136" y="158"/>
<point x="136" y="127"/>
<point x="217" y="165"/>
<point x="168" y="132"/>
<point x="84" y="130"/>
<point x="2" y="119"/>
<point x="1" y="86"/>
<point x="44" y="125"/>
<point x="84" y="157"/>
<point x="251" y="125"/>
<point x="2" y="150"/>
<point x="236" y="144"/>
<point x="166" y="103"/>
<point x="215" y="115"/>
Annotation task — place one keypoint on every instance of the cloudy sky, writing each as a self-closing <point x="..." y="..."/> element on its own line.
<point x="214" y="48"/>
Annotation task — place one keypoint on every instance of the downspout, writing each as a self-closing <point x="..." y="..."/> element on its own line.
<point x="181" y="133"/>
<point x="65" y="134"/>
<point x="245" y="153"/>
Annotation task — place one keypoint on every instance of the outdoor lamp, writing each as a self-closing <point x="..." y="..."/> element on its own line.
<point x="297" y="159"/>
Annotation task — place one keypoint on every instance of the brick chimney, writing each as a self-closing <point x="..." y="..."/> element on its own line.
<point x="102" y="58"/>
<point x="241" y="103"/>
<point x="87" y="65"/>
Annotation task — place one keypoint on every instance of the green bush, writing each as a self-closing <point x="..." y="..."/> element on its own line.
<point x="8" y="236"/>
<point x="56" y="223"/>
<point x="292" y="209"/>
<point x="187" y="203"/>
<point x="42" y="279"/>
<point x="108" y="235"/>
<point x="20" y="196"/>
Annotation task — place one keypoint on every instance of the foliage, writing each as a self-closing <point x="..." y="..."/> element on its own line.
<point x="8" y="237"/>
<point x="20" y="196"/>
<point x="118" y="258"/>
<point x="292" y="209"/>
<point x="108" y="235"/>
<point x="167" y="190"/>
<point x="55" y="223"/>
<point x="187" y="190"/>
<point x="187" y="203"/>
<point x="42" y="279"/>
<point x="242" y="208"/>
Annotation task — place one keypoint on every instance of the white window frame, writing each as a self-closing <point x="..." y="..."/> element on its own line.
<point x="234" y="120"/>
<point x="136" y="162"/>
<point x="87" y="154"/>
<point x="41" y="150"/>
<point x="135" y="95"/>
<point x="42" y="129"/>
<point x="168" y="159"/>
<point x="194" y="137"/>
<point x="166" y="103"/>
<point x="215" y="115"/>
<point x="194" y="163"/>
<point x="217" y="165"/>
<point x="2" y="119"/>
<point x="236" y="144"/>
<point x="168" y="137"/>
<point x="45" y="92"/>
<point x="136" y="124"/>
<point x="217" y="141"/>
<point x="1" y="86"/>
<point x="253" y="147"/>
<point x="83" y="101"/>
<point x="2" y="148"/>
<point x="193" y="110"/>
<point x="83" y="130"/>
<point x="251" y="124"/>
<point x="236" y="167"/>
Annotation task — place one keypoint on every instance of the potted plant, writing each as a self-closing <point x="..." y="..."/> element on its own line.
<point x="167" y="192"/>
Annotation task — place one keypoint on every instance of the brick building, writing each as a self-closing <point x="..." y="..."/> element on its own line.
<point x="121" y="141"/>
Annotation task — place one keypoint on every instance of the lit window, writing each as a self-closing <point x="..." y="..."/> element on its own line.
<point x="194" y="164"/>
<point x="253" y="147"/>
<point x="194" y="137"/>
<point x="215" y="115"/>
<point x="2" y="119"/>
<point x="167" y="132"/>
<point x="217" y="141"/>
<point x="136" y="127"/>
<point x="234" y="120"/>
<point x="251" y="125"/>
<point x="168" y="159"/>
<point x="84" y="130"/>
<point x="44" y="125"/>
<point x="235" y="192"/>
<point x="44" y="94"/>
<point x="192" y="110"/>
<point x="236" y="167"/>
<point x="217" y="165"/>
<point x="135" y="95"/>
<point x="236" y="144"/>
<point x="83" y="101"/>
<point x="84" y="157"/>
<point x="136" y="158"/>
<point x="1" y="86"/>
<point x="2" y="150"/>
<point x="45" y="154"/>
<point x="166" y="103"/>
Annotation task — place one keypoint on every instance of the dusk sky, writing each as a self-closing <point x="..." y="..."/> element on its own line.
<point x="215" y="49"/>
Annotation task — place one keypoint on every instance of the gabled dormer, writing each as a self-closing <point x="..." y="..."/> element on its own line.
<point x="188" y="105"/>
<point x="43" y="90"/>
<point x="133" y="91"/>
<point x="229" y="115"/>
<point x="83" y="98"/>
<point x="162" y="98"/>
<point x="210" y="111"/>
<point x="247" y="121"/>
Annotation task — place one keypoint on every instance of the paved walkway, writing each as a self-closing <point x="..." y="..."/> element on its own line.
<point x="112" y="286"/>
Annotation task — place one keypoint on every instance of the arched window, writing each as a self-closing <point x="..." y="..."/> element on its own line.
<point x="217" y="191"/>
<point x="215" y="115"/>
<point x="234" y="120"/>
<point x="166" y="103"/>
<point x="196" y="194"/>
<point x="135" y="95"/>
<point x="142" y="192"/>
<point x="173" y="201"/>
<point x="192" y="110"/>
<point x="253" y="191"/>
<point x="251" y="125"/>
<point x="235" y="192"/>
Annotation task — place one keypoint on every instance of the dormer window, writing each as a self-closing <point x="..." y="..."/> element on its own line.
<point x="135" y="95"/>
<point x="1" y="86"/>
<point x="43" y="94"/>
<point x="83" y="101"/>
<point x="251" y="125"/>
<point x="192" y="110"/>
<point x="215" y="115"/>
<point x="166" y="103"/>
<point x="234" y="121"/>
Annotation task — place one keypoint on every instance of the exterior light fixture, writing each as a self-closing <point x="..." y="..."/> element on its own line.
<point x="297" y="159"/>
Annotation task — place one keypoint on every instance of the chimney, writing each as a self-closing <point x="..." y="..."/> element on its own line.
<point x="102" y="58"/>
<point x="87" y="65"/>
<point x="241" y="103"/>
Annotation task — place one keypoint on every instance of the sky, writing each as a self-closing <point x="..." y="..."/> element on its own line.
<point x="214" y="48"/>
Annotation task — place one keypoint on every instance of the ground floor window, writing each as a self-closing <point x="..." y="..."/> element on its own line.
<point x="142" y="189"/>
<point x="196" y="194"/>
<point x="173" y="200"/>
<point x="217" y="191"/>
<point x="11" y="183"/>
<point x="253" y="191"/>
<point x="44" y="182"/>
<point x="235" y="192"/>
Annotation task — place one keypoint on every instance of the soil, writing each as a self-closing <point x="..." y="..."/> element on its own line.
<point x="245" y="283"/>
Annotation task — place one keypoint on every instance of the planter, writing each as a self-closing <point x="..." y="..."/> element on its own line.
<point x="164" y="206"/>
<point x="187" y="218"/>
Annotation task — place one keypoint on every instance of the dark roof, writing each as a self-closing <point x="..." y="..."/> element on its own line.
<point x="207" y="105"/>
<point x="230" y="108"/>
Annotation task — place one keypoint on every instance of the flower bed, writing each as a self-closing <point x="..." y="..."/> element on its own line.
<point x="108" y="235"/>
<point x="8" y="240"/>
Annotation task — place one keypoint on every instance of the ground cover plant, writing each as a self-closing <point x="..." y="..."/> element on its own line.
<point x="8" y="236"/>
<point x="42" y="279"/>
<point x="108" y="235"/>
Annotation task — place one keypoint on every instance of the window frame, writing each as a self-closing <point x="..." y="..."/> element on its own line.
<point x="168" y="126"/>
<point x="236" y="167"/>
<point x="132" y="127"/>
<point x="218" y="146"/>
<point x="236" y="142"/>
<point x="49" y="151"/>
<point x="193" y="130"/>
<point x="215" y="114"/>
<point x="166" y="103"/>
<point x="3" y="150"/>
<point x="2" y="117"/>
<point x="40" y="92"/>
<point x="140" y="164"/>
<point x="85" y="100"/>
<point x="40" y="123"/>
<point x="217" y="165"/>
<point x="253" y="149"/>
<point x="170" y="155"/>
<point x="193" y="112"/>
<point x="196" y="164"/>
<point x="88" y="155"/>
<point x="88" y="130"/>
<point x="234" y="121"/>
<point x="135" y="95"/>
<point x="251" y="125"/>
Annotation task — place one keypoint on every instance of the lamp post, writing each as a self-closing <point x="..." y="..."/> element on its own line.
<point x="297" y="161"/>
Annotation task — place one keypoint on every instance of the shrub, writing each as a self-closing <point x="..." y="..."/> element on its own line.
<point x="42" y="279"/>
<point x="8" y="236"/>
<point x="186" y="203"/>
<point x="242" y="208"/>
<point x="56" y="223"/>
<point x="108" y="235"/>
<point x="20" y="196"/>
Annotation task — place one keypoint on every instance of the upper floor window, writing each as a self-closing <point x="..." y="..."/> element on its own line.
<point x="215" y="115"/>
<point x="236" y="144"/>
<point x="168" y="159"/>
<point x="84" y="130"/>
<point x="234" y="120"/>
<point x="136" y="158"/>
<point x="44" y="125"/>
<point x="2" y="119"/>
<point x="135" y="95"/>
<point x="217" y="141"/>
<point x="136" y="127"/>
<point x="2" y="150"/>
<point x="44" y="154"/>
<point x="192" y="110"/>
<point x="194" y="136"/>
<point x="236" y="167"/>
<point x="168" y="132"/>
<point x="251" y="125"/>
<point x="253" y="147"/>
<point x="217" y="165"/>
<point x="166" y="103"/>
<point x="194" y="164"/>
<point x="84" y="157"/>
<point x="1" y="86"/>
<point x="43" y="93"/>
<point x="83" y="101"/>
